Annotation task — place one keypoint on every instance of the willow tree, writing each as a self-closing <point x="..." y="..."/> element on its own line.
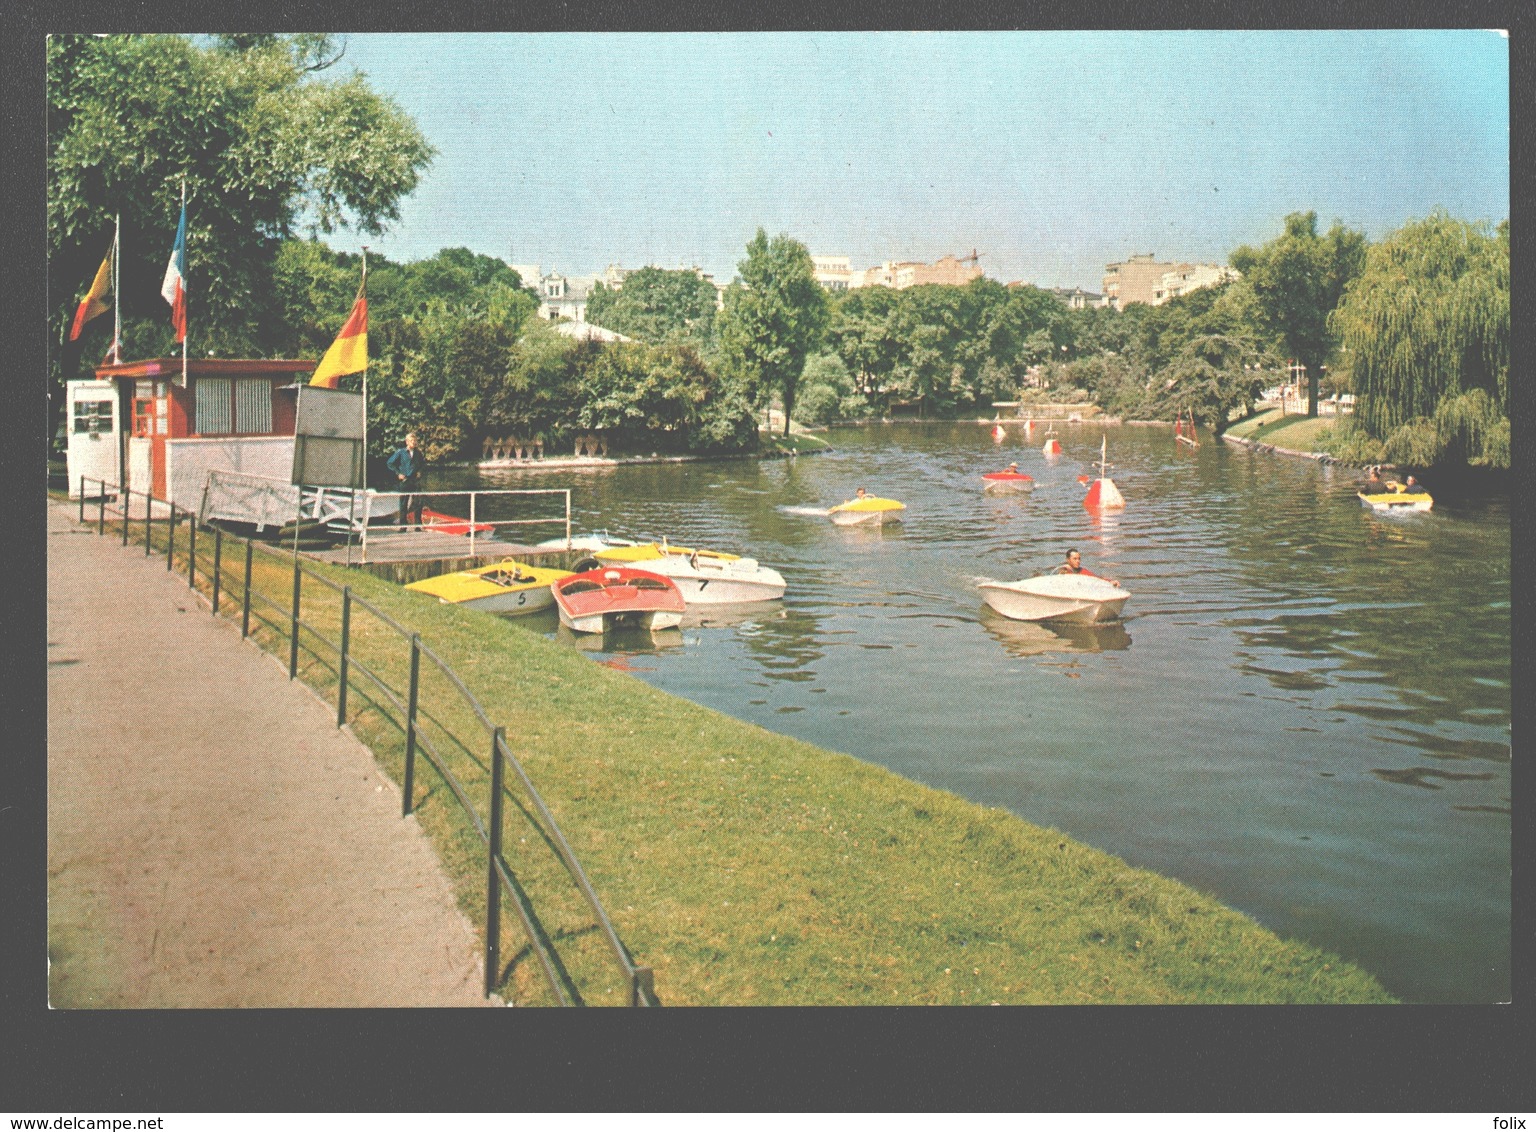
<point x="1425" y="327"/>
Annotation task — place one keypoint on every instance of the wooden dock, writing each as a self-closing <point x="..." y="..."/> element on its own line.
<point x="408" y="556"/>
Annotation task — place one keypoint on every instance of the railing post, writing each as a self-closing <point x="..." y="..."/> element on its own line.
<point x="245" y="600"/>
<point x="492" y="881"/>
<point x="346" y="634"/>
<point x="410" y="725"/>
<point x="127" y="498"/>
<point x="293" y="637"/>
<point x="170" y="536"/>
<point x="149" y="518"/>
<point x="218" y="555"/>
<point x="642" y="987"/>
<point x="82" y="500"/>
<point x="191" y="551"/>
<point x="101" y="509"/>
<point x="472" y="523"/>
<point x="567" y="518"/>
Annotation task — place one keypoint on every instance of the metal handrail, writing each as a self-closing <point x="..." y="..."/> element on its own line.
<point x="499" y="872"/>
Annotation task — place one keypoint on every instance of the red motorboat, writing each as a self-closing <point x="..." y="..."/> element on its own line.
<point x="450" y="524"/>
<point x="598" y="600"/>
<point x="1009" y="479"/>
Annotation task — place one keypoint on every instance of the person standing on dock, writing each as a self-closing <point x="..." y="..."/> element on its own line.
<point x="406" y="463"/>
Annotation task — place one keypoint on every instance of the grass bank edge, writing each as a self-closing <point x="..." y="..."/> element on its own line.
<point x="747" y="867"/>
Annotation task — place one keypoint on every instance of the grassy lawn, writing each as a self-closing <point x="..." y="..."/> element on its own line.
<point x="1295" y="431"/>
<point x="772" y="443"/>
<point x="750" y="868"/>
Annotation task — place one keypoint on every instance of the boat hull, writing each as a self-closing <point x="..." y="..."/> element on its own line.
<point x="506" y="587"/>
<point x="1067" y="598"/>
<point x="1005" y="483"/>
<point x="612" y="597"/>
<point x="1396" y="501"/>
<point x="870" y="511"/>
<point x="705" y="577"/>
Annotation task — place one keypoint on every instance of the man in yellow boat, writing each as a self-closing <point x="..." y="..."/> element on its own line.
<point x="1414" y="487"/>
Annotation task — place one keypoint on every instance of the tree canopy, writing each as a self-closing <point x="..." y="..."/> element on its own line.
<point x="1425" y="327"/>
<point x="1296" y="280"/>
<point x="656" y="305"/>
<point x="774" y="317"/>
<point x="265" y="145"/>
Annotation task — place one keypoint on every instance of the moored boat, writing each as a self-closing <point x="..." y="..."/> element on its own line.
<point x="451" y="524"/>
<point x="591" y="543"/>
<point x="504" y="587"/>
<point x="1075" y="598"/>
<point x="595" y="601"/>
<point x="870" y="509"/>
<point x="705" y="577"/>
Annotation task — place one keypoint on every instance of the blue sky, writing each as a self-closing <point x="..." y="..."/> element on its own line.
<point x="1052" y="153"/>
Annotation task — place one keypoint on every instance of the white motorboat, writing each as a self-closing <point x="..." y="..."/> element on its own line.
<point x="705" y="577"/>
<point x="1075" y="598"/>
<point x="592" y="543"/>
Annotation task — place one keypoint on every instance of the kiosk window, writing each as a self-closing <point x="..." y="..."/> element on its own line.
<point x="93" y="416"/>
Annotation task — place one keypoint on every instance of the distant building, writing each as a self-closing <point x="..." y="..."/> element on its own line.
<point x="834" y="272"/>
<point x="899" y="275"/>
<point x="1076" y="298"/>
<point x="1136" y="280"/>
<point x="586" y="331"/>
<point x="1189" y="277"/>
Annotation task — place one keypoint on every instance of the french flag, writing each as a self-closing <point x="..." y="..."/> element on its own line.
<point x="174" y="289"/>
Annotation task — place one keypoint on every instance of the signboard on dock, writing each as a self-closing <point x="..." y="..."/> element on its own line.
<point x="328" y="438"/>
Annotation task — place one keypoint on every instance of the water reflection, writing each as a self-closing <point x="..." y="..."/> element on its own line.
<point x="1031" y="638"/>
<point x="1318" y="701"/>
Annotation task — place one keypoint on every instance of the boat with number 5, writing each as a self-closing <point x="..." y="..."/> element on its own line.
<point x="503" y="587"/>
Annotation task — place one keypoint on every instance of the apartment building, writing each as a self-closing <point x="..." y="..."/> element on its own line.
<point x="1075" y="298"/>
<point x="1136" y="280"/>
<point x="1189" y="277"/>
<point x="836" y="272"/>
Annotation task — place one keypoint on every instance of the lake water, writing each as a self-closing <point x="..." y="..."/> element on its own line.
<point x="1306" y="710"/>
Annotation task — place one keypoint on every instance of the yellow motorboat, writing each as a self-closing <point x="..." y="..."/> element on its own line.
<point x="1395" y="496"/>
<point x="870" y="509"/>
<point x="504" y="587"/>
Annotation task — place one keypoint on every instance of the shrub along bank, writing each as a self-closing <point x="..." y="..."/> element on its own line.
<point x="746" y="867"/>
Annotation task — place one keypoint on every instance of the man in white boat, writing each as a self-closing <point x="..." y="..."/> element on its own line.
<point x="406" y="463"/>
<point x="1074" y="565"/>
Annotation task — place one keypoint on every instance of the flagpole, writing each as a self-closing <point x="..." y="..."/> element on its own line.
<point x="185" y="289"/>
<point x="363" y="289"/>
<point x="117" y="280"/>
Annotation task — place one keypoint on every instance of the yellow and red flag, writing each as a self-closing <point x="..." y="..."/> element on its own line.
<point x="94" y="302"/>
<point x="349" y="353"/>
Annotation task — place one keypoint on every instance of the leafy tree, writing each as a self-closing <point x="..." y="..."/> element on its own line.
<point x="656" y="305"/>
<point x="774" y="317"/>
<point x="1297" y="279"/>
<point x="1425" y="328"/>
<point x="265" y="145"/>
<point x="863" y="332"/>
<point x="827" y="391"/>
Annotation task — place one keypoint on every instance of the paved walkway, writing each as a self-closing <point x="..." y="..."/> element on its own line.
<point x="213" y="839"/>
